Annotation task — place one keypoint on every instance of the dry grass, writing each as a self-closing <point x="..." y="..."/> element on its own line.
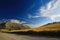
<point x="49" y="27"/>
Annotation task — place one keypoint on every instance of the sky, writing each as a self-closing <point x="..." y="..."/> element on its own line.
<point x="34" y="13"/>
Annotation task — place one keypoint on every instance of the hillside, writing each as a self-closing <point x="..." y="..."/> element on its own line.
<point x="13" y="26"/>
<point x="16" y="26"/>
<point x="55" y="26"/>
<point x="48" y="27"/>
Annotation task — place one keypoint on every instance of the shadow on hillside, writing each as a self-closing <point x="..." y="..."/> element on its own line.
<point x="55" y="34"/>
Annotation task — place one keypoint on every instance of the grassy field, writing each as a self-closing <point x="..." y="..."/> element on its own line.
<point x="47" y="27"/>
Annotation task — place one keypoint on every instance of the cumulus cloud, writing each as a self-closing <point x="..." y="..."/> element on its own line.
<point x="51" y="10"/>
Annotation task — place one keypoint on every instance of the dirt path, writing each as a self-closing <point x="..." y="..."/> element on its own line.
<point x="6" y="36"/>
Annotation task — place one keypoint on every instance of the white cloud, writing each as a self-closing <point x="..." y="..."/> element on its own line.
<point x="51" y="10"/>
<point x="14" y="21"/>
<point x="33" y="25"/>
<point x="23" y="22"/>
<point x="36" y="16"/>
<point x="36" y="25"/>
<point x="17" y="21"/>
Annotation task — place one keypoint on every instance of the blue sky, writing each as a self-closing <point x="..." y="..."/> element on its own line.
<point x="31" y="12"/>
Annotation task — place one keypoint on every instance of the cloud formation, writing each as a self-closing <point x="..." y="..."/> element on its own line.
<point x="51" y="10"/>
<point x="14" y="21"/>
<point x="31" y="16"/>
<point x="17" y="21"/>
<point x="23" y="22"/>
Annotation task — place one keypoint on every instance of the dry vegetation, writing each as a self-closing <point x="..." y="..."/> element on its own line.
<point x="48" y="27"/>
<point x="51" y="29"/>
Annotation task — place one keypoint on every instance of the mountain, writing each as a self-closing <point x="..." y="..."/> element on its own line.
<point x="55" y="26"/>
<point x="13" y="25"/>
<point x="16" y="26"/>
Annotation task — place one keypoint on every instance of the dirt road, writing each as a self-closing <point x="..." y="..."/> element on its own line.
<point x="6" y="36"/>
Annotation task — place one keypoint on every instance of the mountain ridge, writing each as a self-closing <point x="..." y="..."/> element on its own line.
<point x="13" y="25"/>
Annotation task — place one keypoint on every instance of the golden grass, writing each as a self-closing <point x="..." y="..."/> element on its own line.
<point x="23" y="30"/>
<point x="49" y="27"/>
